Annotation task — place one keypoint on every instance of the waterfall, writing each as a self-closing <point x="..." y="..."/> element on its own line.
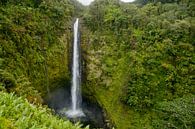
<point x="76" y="110"/>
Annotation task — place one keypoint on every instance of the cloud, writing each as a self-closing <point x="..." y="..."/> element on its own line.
<point x="87" y="2"/>
<point x="127" y="0"/>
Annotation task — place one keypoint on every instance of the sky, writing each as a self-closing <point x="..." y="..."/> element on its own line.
<point x="87" y="2"/>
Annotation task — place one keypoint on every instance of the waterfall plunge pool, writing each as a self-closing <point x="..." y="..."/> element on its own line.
<point x="60" y="101"/>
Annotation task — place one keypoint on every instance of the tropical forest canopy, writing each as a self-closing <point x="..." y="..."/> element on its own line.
<point x="138" y="61"/>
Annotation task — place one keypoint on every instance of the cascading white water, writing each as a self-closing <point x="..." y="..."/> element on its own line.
<point x="76" y="110"/>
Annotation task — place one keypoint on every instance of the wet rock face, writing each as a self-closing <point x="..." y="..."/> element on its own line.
<point x="60" y="101"/>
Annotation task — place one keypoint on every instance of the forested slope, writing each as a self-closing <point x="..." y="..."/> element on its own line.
<point x="34" y="37"/>
<point x="138" y="61"/>
<point x="33" y="44"/>
<point x="141" y="62"/>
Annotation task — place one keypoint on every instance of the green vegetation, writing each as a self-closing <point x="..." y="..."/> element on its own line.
<point x="34" y="35"/>
<point x="139" y="61"/>
<point x="18" y="113"/>
<point x="176" y="114"/>
<point x="141" y="56"/>
<point x="34" y="42"/>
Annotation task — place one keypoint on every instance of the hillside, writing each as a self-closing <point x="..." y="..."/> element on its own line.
<point x="33" y="59"/>
<point x="137" y="59"/>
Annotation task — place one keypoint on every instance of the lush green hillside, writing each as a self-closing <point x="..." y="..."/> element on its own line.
<point x="140" y="56"/>
<point x="138" y="60"/>
<point x="34" y="37"/>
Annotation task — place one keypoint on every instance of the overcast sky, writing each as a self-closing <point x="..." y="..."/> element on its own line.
<point x="87" y="2"/>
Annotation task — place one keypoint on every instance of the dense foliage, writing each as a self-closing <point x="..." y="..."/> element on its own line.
<point x="139" y="60"/>
<point x="141" y="55"/>
<point x="34" y="37"/>
<point x="33" y="44"/>
<point x="18" y="113"/>
<point x="176" y="114"/>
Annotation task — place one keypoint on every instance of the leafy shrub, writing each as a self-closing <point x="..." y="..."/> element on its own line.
<point x="176" y="114"/>
<point x="6" y="124"/>
<point x="24" y="115"/>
